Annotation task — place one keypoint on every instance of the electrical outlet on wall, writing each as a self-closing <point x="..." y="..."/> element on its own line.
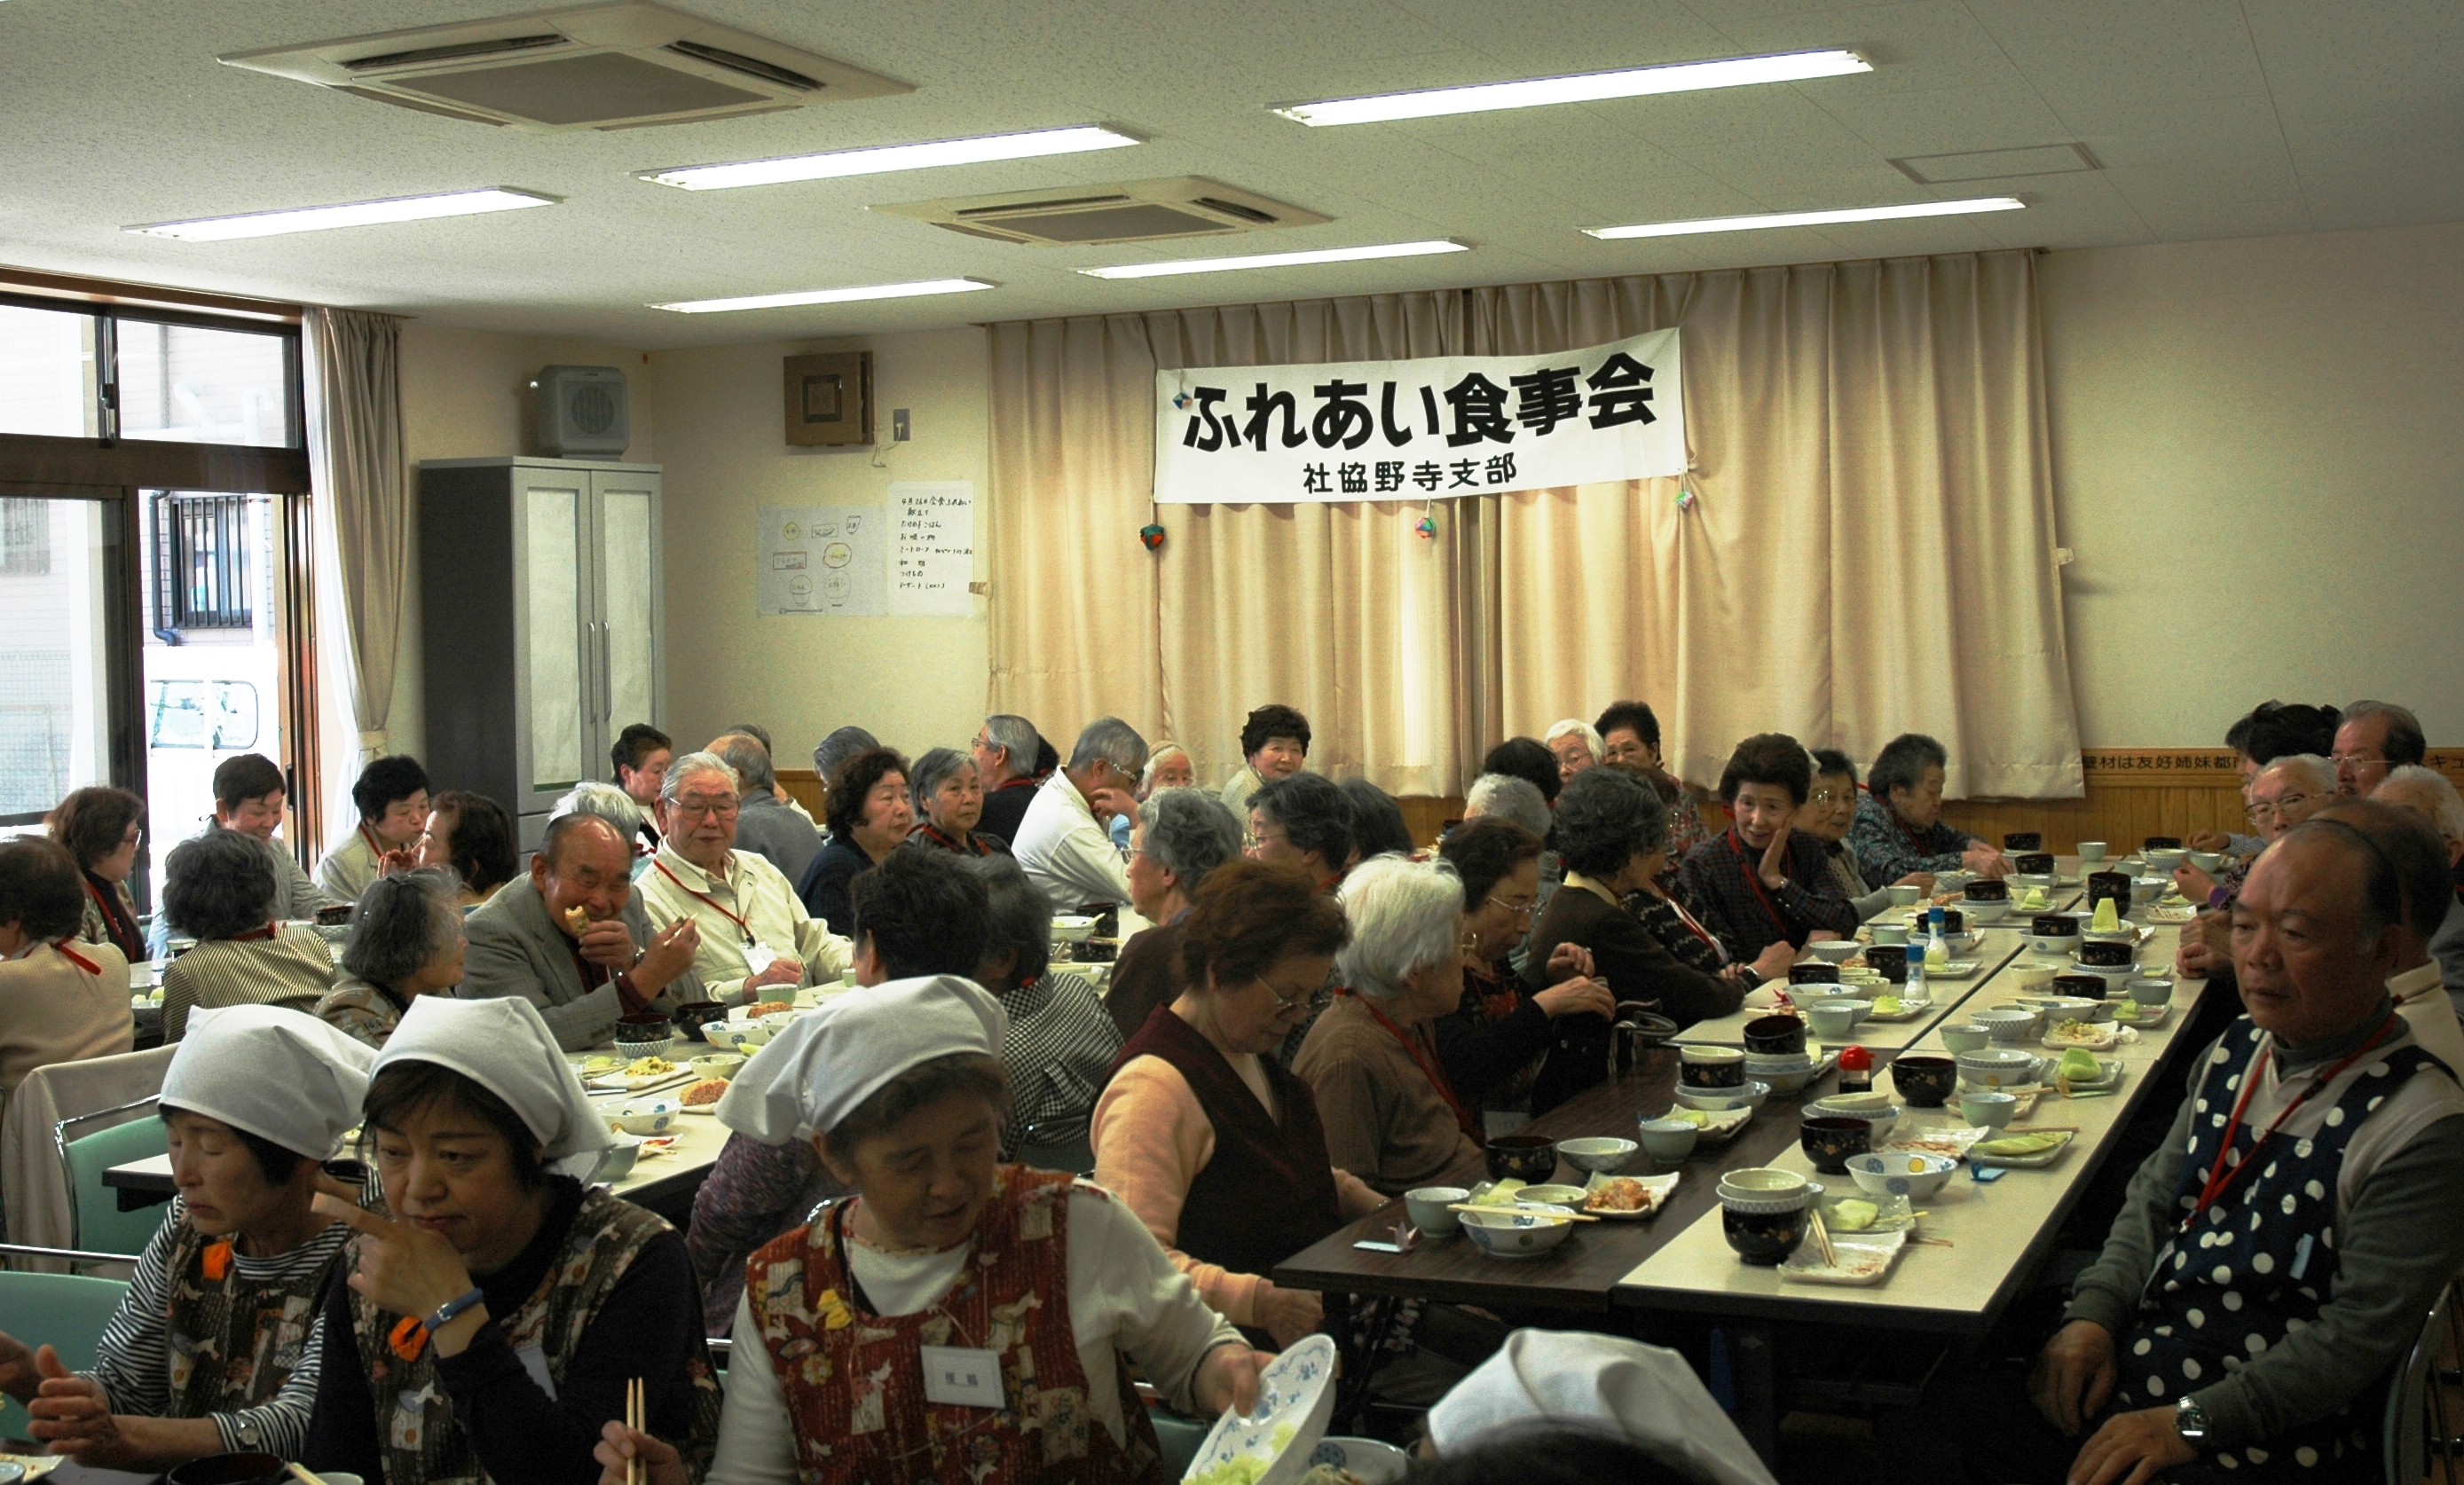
<point x="898" y="425"/>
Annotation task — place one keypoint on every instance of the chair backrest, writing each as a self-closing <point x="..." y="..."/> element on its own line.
<point x="2418" y="1415"/>
<point x="96" y="1223"/>
<point x="31" y="1183"/>
<point x="1057" y="1144"/>
<point x="66" y="1311"/>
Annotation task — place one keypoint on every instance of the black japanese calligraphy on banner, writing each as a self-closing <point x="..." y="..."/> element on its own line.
<point x="1413" y="429"/>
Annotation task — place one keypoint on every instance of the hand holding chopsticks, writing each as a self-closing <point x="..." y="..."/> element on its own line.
<point x="627" y="1453"/>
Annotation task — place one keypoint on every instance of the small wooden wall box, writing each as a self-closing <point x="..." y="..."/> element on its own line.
<point x="829" y="399"/>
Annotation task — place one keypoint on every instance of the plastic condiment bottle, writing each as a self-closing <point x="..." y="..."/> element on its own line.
<point x="1855" y="1070"/>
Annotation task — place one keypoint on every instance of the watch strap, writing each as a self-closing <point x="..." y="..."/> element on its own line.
<point x="446" y="1313"/>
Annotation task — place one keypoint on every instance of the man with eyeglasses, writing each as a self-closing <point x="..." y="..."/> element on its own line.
<point x="757" y="935"/>
<point x="2285" y="793"/>
<point x="2373" y="738"/>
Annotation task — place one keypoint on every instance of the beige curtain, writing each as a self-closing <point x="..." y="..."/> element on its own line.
<point x="355" y="452"/>
<point x="1868" y="552"/>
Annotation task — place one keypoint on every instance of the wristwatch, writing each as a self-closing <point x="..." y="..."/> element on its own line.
<point x="2191" y="1421"/>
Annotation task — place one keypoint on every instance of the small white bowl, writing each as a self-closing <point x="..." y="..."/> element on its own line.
<point x="645" y="1118"/>
<point x="1071" y="928"/>
<point x="1517" y="1232"/>
<point x="1901" y="1173"/>
<point x="616" y="1162"/>
<point x="1834" y="950"/>
<point x="2060" y="948"/>
<point x="1714" y="1100"/>
<point x="1881" y="1119"/>
<point x="1597" y="1154"/>
<point x="721" y="1066"/>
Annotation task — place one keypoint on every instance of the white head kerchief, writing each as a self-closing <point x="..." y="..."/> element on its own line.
<point x="825" y="1065"/>
<point x="1646" y="1393"/>
<point x="275" y="1073"/>
<point x="502" y="1045"/>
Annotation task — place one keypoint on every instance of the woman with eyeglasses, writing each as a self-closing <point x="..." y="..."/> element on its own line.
<point x="1491" y="1043"/>
<point x="1203" y="1133"/>
<point x="1828" y="812"/>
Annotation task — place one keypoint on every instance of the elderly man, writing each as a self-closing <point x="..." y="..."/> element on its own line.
<point x="641" y="753"/>
<point x="2282" y="795"/>
<point x="1509" y="798"/>
<point x="2275" y="1255"/>
<point x="391" y="795"/>
<point x="755" y="933"/>
<point x="2431" y="795"/>
<point x="566" y="938"/>
<point x="1004" y="751"/>
<point x="762" y="824"/>
<point x="1062" y="843"/>
<point x="1899" y="827"/>
<point x="2373" y="737"/>
<point x="2419" y="857"/>
<point x="1577" y="745"/>
<point x="1181" y="835"/>
<point x="1274" y="744"/>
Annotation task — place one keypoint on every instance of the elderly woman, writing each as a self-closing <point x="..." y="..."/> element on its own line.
<point x="1899" y="826"/>
<point x="1392" y="1115"/>
<point x="1203" y="1133"/>
<point x="1303" y="820"/>
<point x="60" y="1000"/>
<point x="1490" y="1043"/>
<point x="498" y="1310"/>
<point x="923" y="914"/>
<point x="1060" y="1043"/>
<point x="1577" y="745"/>
<point x="217" y="1343"/>
<point x="474" y="837"/>
<point x="406" y="942"/>
<point x="1274" y="744"/>
<point x="1037" y="1282"/>
<point x="869" y="816"/>
<point x="1613" y="830"/>
<point x="1761" y="881"/>
<point x="1168" y="767"/>
<point x="1377" y="825"/>
<point x="103" y="827"/>
<point x="220" y="891"/>
<point x="1828" y="812"/>
<point x="951" y="796"/>
<point x="1181" y="835"/>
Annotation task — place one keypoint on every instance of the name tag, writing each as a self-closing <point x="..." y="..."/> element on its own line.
<point x="758" y="958"/>
<point x="962" y="1376"/>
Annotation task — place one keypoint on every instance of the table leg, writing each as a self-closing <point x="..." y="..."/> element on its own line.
<point x="1363" y="1341"/>
<point x="1751" y="1367"/>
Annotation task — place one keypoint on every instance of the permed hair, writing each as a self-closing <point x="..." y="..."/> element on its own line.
<point x="1189" y="832"/>
<point x="1633" y="716"/>
<point x="1607" y="818"/>
<point x="92" y="822"/>
<point x="843" y="807"/>
<point x="1902" y="764"/>
<point x="1769" y="758"/>
<point x="925" y="912"/>
<point x="1484" y="852"/>
<point x="386" y="781"/>
<point x="401" y="924"/>
<point x="1269" y="722"/>
<point x="1312" y="813"/>
<point x="1248" y="914"/>
<point x="219" y="884"/>
<point x="637" y="742"/>
<point x="1405" y="916"/>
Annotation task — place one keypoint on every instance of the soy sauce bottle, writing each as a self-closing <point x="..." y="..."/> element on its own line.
<point x="1855" y="1070"/>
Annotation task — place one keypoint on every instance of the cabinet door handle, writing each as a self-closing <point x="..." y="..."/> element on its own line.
<point x="607" y="675"/>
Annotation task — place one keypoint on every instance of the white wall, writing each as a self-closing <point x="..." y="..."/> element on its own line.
<point x="2258" y="456"/>
<point x="916" y="683"/>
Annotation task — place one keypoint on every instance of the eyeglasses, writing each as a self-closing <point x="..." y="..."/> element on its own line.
<point x="689" y="806"/>
<point x="1284" y="1002"/>
<point x="1519" y="909"/>
<point x="1250" y="842"/>
<point x="1825" y="797"/>
<point x="2353" y="760"/>
<point x="2261" y="811"/>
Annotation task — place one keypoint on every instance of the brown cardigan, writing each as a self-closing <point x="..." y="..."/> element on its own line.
<point x="1385" y="1122"/>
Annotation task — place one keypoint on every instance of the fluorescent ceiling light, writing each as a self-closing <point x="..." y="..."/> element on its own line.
<point x="893" y="157"/>
<point x="772" y="301"/>
<point x="1396" y="249"/>
<point x="1746" y="223"/>
<point x="1734" y="72"/>
<point x="357" y="213"/>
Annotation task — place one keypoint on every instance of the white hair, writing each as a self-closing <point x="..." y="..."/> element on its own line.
<point x="694" y="765"/>
<point x="1154" y="761"/>
<point x="1572" y="725"/>
<point x="1509" y="798"/>
<point x="606" y="801"/>
<point x="1405" y="915"/>
<point x="2308" y="769"/>
<point x="2432" y="788"/>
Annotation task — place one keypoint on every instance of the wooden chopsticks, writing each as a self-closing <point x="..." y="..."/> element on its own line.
<point x="300" y="1473"/>
<point x="1571" y="1216"/>
<point x="636" y="1418"/>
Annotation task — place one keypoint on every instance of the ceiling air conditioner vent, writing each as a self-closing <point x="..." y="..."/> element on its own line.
<point x="616" y="66"/>
<point x="1186" y="205"/>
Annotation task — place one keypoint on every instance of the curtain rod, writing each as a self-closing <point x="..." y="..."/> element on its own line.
<point x="78" y="289"/>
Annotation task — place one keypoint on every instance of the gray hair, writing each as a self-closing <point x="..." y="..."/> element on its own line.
<point x="932" y="771"/>
<point x="1572" y="725"/>
<point x="2308" y="769"/>
<point x="1190" y="832"/>
<point x="1509" y="798"/>
<point x="1114" y="741"/>
<point x="832" y="753"/>
<point x="609" y="803"/>
<point x="694" y="765"/>
<point x="2432" y="789"/>
<point x="1016" y="736"/>
<point x="1154" y="761"/>
<point x="1016" y="915"/>
<point x="743" y="753"/>
<point x="2404" y="742"/>
<point x="403" y="924"/>
<point x="1405" y="915"/>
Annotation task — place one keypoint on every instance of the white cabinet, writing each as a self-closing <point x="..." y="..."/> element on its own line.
<point x="542" y="616"/>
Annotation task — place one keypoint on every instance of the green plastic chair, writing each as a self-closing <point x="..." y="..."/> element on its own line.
<point x="66" y="1311"/>
<point x="99" y="1224"/>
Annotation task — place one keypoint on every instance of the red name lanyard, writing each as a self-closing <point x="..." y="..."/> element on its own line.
<point x="375" y="849"/>
<point x="706" y="899"/>
<point x="2219" y="1177"/>
<point x="1436" y="1076"/>
<point x="78" y="959"/>
<point x="1753" y="879"/>
<point x="1697" y="929"/>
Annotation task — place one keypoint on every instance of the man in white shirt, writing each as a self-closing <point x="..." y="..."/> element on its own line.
<point x="756" y="935"/>
<point x="1061" y="844"/>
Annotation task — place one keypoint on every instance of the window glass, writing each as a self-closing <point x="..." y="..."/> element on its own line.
<point x="193" y="385"/>
<point x="47" y="373"/>
<point x="53" y="695"/>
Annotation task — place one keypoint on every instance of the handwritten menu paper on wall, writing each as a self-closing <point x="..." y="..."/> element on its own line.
<point x="823" y="559"/>
<point x="933" y="547"/>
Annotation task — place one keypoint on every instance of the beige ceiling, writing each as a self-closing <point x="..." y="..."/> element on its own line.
<point x="2211" y="118"/>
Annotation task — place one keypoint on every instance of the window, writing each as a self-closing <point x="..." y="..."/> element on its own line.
<point x="55" y="599"/>
<point x="47" y="373"/>
<point x="25" y="537"/>
<point x="200" y="557"/>
<point x="194" y="386"/>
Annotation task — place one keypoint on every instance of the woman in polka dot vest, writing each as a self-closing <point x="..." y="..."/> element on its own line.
<point x="2274" y="1257"/>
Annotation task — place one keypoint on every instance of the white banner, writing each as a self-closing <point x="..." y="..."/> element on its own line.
<point x="1419" y="430"/>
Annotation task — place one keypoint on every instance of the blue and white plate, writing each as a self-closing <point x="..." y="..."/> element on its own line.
<point x="1295" y="1399"/>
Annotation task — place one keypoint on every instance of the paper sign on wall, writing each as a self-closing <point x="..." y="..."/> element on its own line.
<point x="823" y="559"/>
<point x="932" y="549"/>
